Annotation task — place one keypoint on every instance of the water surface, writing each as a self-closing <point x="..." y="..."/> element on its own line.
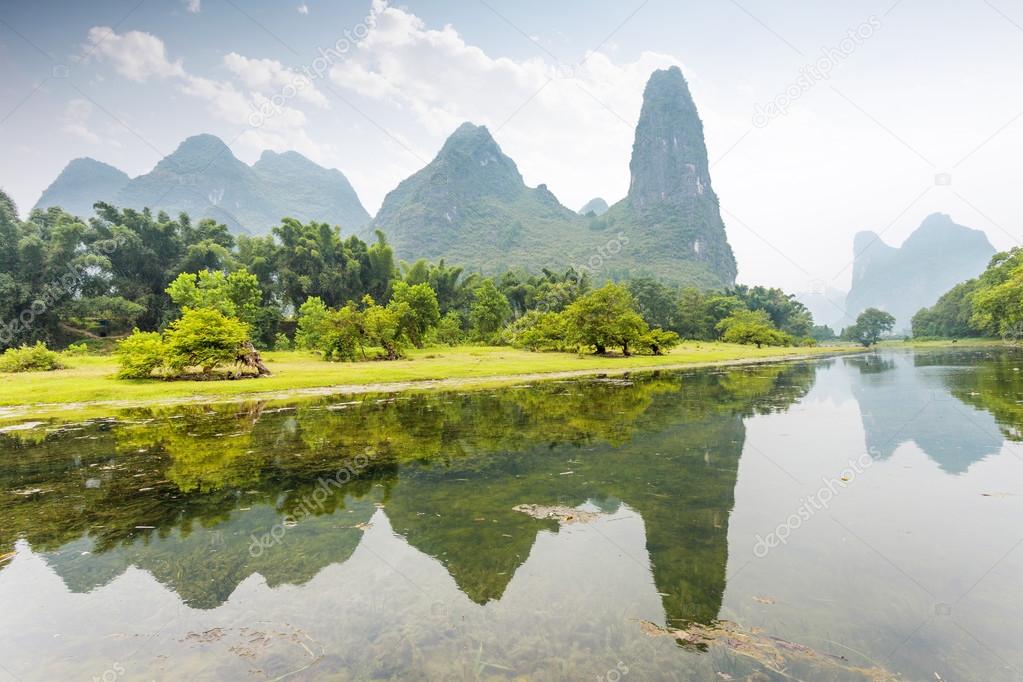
<point x="855" y="518"/>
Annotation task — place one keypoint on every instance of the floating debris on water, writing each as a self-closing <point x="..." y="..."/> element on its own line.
<point x="558" y="513"/>
<point x="774" y="653"/>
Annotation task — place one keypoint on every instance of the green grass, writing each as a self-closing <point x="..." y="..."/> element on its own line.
<point x="91" y="379"/>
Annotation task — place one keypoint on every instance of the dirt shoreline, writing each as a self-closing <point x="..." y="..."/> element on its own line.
<point x="35" y="410"/>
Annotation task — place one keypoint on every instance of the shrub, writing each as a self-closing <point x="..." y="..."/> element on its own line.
<point x="449" y="330"/>
<point x="282" y="342"/>
<point x="538" y="331"/>
<point x="489" y="310"/>
<point x="342" y="334"/>
<point x="37" y="358"/>
<point x="417" y="309"/>
<point x="313" y="324"/>
<point x="140" y="355"/>
<point x="383" y="329"/>
<point x="76" y="349"/>
<point x="204" y="338"/>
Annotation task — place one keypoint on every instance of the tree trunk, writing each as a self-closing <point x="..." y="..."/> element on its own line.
<point x="600" y="349"/>
<point x="249" y="356"/>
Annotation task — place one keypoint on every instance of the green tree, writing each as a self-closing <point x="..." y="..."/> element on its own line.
<point x="449" y="329"/>
<point x="605" y="318"/>
<point x="871" y="325"/>
<point x="656" y="302"/>
<point x="313" y="321"/>
<point x="204" y="338"/>
<point x="751" y="327"/>
<point x="657" y="341"/>
<point x="417" y="310"/>
<point x="787" y="314"/>
<point x="140" y="355"/>
<point x="490" y="309"/>
<point x="823" y="332"/>
<point x="538" y="330"/>
<point x="344" y="335"/>
<point x="383" y="328"/>
<point x="237" y="294"/>
<point x="998" y="298"/>
<point x="692" y="319"/>
<point x="951" y="316"/>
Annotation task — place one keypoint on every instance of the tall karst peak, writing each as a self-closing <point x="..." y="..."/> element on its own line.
<point x="669" y="156"/>
<point x="671" y="209"/>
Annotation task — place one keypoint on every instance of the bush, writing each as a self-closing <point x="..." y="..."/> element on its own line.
<point x="37" y="358"/>
<point x="76" y="349"/>
<point x="313" y="324"/>
<point x="420" y="312"/>
<point x="140" y="355"/>
<point x="449" y="330"/>
<point x="282" y="342"/>
<point x="204" y="338"/>
<point x="538" y="331"/>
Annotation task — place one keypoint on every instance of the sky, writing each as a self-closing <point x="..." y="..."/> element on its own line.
<point x="822" y="119"/>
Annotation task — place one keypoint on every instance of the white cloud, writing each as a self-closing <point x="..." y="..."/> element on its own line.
<point x="555" y="120"/>
<point x="193" y="6"/>
<point x="135" y="55"/>
<point x="139" y="56"/>
<point x="303" y="8"/>
<point x="269" y="77"/>
<point x="76" y="120"/>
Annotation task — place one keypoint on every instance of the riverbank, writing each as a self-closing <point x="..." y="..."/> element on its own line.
<point x="89" y="383"/>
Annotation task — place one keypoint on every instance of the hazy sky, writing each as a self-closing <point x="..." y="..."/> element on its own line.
<point x="920" y="111"/>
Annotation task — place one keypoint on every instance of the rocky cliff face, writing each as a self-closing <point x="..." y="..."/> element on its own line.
<point x="937" y="256"/>
<point x="671" y="207"/>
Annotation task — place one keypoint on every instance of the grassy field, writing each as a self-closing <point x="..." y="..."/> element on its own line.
<point x="90" y="379"/>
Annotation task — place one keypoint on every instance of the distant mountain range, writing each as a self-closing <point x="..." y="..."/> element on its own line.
<point x="937" y="256"/>
<point x="826" y="304"/>
<point x="204" y="179"/>
<point x="597" y="207"/>
<point x="81" y="184"/>
<point x="469" y="205"/>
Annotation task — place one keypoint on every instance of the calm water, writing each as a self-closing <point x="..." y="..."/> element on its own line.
<point x="847" y="519"/>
